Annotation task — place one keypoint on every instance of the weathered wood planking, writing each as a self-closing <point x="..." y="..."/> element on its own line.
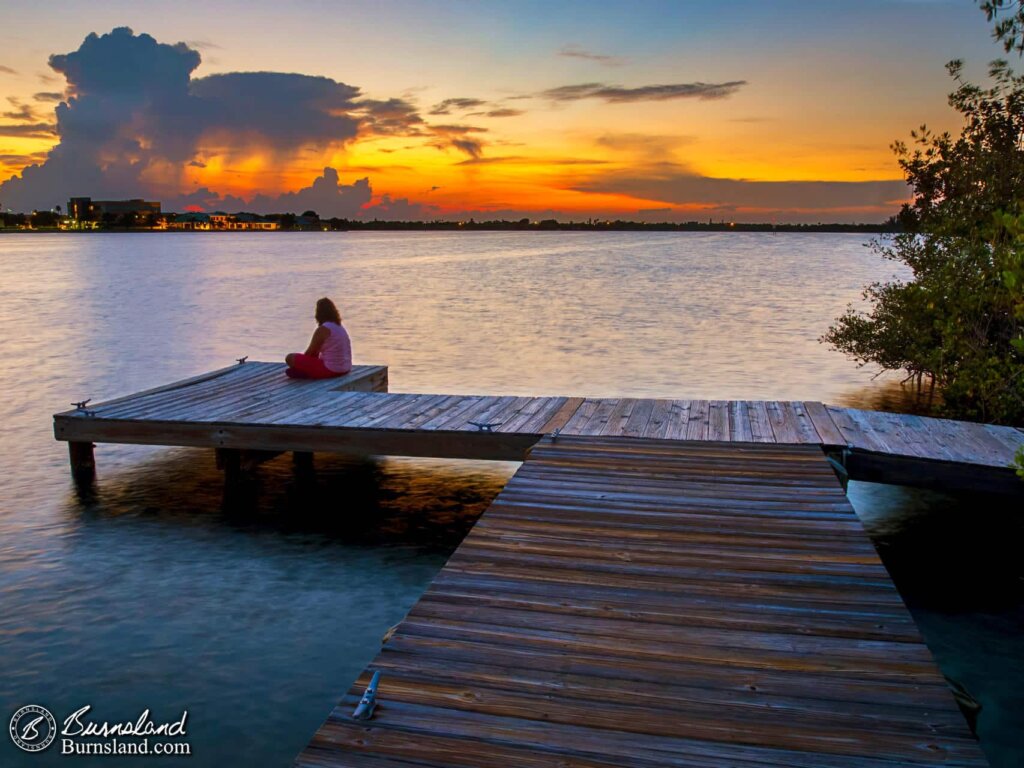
<point x="253" y="406"/>
<point x="657" y="603"/>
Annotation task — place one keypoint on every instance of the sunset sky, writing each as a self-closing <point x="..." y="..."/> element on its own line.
<point x="745" y="111"/>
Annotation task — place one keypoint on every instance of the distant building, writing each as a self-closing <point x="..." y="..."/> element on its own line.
<point x="84" y="208"/>
<point x="218" y="220"/>
<point x="192" y="221"/>
<point x="250" y="221"/>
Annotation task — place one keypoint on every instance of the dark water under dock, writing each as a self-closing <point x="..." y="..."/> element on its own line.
<point x="257" y="618"/>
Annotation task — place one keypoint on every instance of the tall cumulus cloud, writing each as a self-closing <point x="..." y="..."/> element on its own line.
<point x="135" y="118"/>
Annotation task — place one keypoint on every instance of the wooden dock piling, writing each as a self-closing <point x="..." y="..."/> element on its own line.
<point x="83" y="461"/>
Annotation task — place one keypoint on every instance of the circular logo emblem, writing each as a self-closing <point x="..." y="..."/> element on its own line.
<point x="33" y="728"/>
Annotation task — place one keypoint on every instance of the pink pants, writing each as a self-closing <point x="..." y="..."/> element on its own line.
<point x="309" y="367"/>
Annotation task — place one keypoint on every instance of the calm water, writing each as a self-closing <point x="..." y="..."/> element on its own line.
<point x="150" y="592"/>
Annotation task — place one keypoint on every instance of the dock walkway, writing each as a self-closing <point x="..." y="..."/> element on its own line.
<point x="649" y="603"/>
<point x="254" y="407"/>
<point x="662" y="582"/>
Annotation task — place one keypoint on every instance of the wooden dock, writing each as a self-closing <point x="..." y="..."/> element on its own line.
<point x="649" y="603"/>
<point x="662" y="582"/>
<point x="254" y="408"/>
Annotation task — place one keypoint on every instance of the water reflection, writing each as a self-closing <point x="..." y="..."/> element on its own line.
<point x="890" y="394"/>
<point x="347" y="501"/>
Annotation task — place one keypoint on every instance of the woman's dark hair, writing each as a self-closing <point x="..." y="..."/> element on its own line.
<point x="326" y="312"/>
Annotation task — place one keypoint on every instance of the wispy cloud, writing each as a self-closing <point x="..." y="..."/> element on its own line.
<point x="578" y="52"/>
<point x="616" y="94"/>
<point x="8" y="70"/>
<point x="48" y="96"/>
<point x="398" y="117"/>
<point x="29" y="131"/>
<point x="22" y="112"/>
<point x="22" y="159"/>
<point x="390" y="117"/>
<point x="448" y="106"/>
<point x="504" y="112"/>
<point x="459" y="137"/>
<point x="202" y="45"/>
<point x="651" y="145"/>
<point x="526" y="160"/>
<point x="676" y="184"/>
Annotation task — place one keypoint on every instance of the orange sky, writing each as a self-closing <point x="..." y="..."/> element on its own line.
<point x="808" y="95"/>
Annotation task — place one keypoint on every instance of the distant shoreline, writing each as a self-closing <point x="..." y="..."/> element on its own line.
<point x="328" y="228"/>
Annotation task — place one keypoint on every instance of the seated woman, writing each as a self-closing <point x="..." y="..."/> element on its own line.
<point x="330" y="351"/>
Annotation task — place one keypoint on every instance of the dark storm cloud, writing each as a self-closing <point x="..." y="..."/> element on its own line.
<point x="614" y="94"/>
<point x="132" y="105"/>
<point x="133" y="120"/>
<point x="275" y="109"/>
<point x="447" y="106"/>
<point x="577" y="52"/>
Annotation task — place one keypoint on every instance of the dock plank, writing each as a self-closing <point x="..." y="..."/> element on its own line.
<point x="678" y="419"/>
<point x="697" y="420"/>
<point x="561" y="417"/>
<point x="599" y="418"/>
<point x="823" y="423"/>
<point x="739" y="422"/>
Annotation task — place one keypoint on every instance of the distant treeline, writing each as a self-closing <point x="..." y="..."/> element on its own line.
<point x="309" y="221"/>
<point x="609" y="226"/>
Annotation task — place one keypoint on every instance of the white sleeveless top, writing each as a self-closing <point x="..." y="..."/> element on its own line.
<point x="337" y="349"/>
